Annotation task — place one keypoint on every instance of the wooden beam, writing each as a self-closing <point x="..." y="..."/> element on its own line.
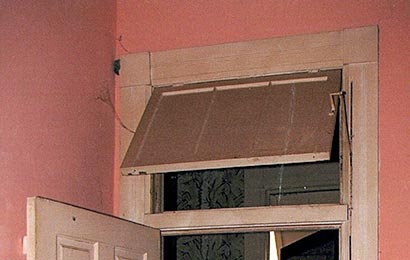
<point x="365" y="161"/>
<point x="237" y="217"/>
<point x="263" y="57"/>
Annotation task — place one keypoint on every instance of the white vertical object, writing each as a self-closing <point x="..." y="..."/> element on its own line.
<point x="273" y="251"/>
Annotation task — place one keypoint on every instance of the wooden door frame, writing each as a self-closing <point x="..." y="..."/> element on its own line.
<point x="353" y="50"/>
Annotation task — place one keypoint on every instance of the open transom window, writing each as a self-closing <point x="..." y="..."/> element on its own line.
<point x="267" y="120"/>
<point x="265" y="108"/>
<point x="283" y="126"/>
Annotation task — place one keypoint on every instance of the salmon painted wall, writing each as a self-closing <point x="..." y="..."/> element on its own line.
<point x="161" y="25"/>
<point x="56" y="138"/>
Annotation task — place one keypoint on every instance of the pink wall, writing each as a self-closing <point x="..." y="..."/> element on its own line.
<point x="162" y="25"/>
<point x="56" y="138"/>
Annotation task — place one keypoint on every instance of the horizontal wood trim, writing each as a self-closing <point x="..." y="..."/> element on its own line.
<point x="252" y="229"/>
<point x="243" y="162"/>
<point x="263" y="57"/>
<point x="277" y="216"/>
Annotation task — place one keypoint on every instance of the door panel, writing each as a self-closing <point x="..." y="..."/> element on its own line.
<point x="74" y="248"/>
<point x="126" y="254"/>
<point x="60" y="231"/>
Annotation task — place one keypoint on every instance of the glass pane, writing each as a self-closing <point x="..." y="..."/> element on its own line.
<point x="272" y="245"/>
<point x="293" y="184"/>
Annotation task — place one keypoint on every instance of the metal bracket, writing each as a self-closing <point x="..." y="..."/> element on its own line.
<point x="342" y="96"/>
<point x="332" y="101"/>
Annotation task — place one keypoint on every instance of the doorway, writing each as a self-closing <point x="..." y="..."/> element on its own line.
<point x="269" y="245"/>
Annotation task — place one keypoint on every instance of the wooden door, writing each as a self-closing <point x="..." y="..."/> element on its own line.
<point x="64" y="232"/>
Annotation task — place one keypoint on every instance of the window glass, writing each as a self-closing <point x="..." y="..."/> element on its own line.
<point x="293" y="184"/>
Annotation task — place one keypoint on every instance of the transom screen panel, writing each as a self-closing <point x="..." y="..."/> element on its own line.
<point x="267" y="120"/>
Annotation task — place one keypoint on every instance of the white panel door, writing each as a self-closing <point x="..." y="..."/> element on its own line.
<point x="64" y="232"/>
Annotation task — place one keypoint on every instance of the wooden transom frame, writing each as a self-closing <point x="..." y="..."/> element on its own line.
<point x="353" y="50"/>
